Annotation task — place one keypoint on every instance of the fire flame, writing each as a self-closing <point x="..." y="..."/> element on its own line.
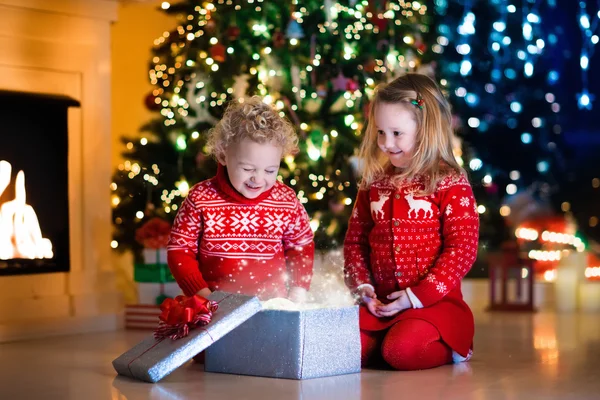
<point x="20" y="233"/>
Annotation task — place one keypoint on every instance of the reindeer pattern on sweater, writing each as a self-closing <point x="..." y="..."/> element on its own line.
<point x="398" y="239"/>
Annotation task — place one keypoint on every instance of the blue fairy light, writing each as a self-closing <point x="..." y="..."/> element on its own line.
<point x="584" y="21"/>
<point x="526" y="137"/>
<point x="543" y="166"/>
<point x="465" y="67"/>
<point x="528" y="69"/>
<point x="510" y="73"/>
<point x="473" y="122"/>
<point x="527" y="31"/>
<point x="475" y="164"/>
<point x="444" y="29"/>
<point x="500" y="26"/>
<point x="584" y="61"/>
<point x="472" y="99"/>
<point x="533" y="18"/>
<point x="516" y="107"/>
<point x="496" y="75"/>
<point x="584" y="100"/>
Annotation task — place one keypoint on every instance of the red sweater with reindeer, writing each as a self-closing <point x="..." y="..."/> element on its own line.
<point x="397" y="240"/>
<point x="224" y="241"/>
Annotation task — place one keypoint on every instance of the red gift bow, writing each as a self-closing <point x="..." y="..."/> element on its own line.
<point x="181" y="314"/>
<point x="154" y="234"/>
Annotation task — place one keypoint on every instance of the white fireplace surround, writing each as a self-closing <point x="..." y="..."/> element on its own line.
<point x="62" y="47"/>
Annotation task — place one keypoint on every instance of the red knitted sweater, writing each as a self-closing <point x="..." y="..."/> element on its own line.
<point x="224" y="241"/>
<point x="397" y="240"/>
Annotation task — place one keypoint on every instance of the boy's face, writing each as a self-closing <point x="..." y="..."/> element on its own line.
<point x="252" y="167"/>
<point x="396" y="132"/>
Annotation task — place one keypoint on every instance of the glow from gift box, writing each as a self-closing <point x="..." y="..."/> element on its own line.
<point x="20" y="232"/>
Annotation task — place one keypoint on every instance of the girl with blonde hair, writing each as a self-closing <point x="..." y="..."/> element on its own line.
<point x="413" y="233"/>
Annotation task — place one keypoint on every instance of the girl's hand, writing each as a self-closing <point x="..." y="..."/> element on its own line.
<point x="297" y="294"/>
<point x="401" y="303"/>
<point x="372" y="305"/>
<point x="366" y="292"/>
<point x="204" y="292"/>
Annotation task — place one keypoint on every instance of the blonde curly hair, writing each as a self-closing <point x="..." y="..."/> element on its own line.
<point x="253" y="119"/>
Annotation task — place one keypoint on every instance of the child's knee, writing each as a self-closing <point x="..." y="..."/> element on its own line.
<point x="399" y="355"/>
<point x="370" y="344"/>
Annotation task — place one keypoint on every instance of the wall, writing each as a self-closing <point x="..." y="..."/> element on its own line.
<point x="132" y="38"/>
<point x="61" y="47"/>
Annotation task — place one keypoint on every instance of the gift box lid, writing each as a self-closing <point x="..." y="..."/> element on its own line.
<point x="153" y="359"/>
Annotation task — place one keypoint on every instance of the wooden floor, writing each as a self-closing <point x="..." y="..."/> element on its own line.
<point x="520" y="356"/>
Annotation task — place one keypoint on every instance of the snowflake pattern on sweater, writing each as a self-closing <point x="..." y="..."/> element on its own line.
<point x="221" y="240"/>
<point x="425" y="243"/>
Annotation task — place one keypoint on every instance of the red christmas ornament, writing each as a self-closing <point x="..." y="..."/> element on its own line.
<point x="278" y="39"/>
<point x="150" y="102"/>
<point x="370" y="66"/>
<point x="210" y="26"/>
<point x="336" y="207"/>
<point x="217" y="52"/>
<point x="380" y="22"/>
<point x="200" y="159"/>
<point x="492" y="188"/>
<point x="366" y="109"/>
<point x="233" y="32"/>
<point x="351" y="85"/>
<point x="377" y="8"/>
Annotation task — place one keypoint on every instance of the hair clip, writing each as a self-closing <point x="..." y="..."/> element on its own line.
<point x="418" y="102"/>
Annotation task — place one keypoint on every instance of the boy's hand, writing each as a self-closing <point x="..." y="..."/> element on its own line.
<point x="401" y="303"/>
<point x="297" y="294"/>
<point x="204" y="292"/>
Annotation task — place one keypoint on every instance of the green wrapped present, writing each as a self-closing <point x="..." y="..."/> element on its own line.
<point x="152" y="273"/>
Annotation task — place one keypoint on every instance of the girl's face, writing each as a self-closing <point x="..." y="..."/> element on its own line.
<point x="252" y="167"/>
<point x="396" y="132"/>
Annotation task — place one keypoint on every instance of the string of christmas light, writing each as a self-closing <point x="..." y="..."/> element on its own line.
<point x="317" y="63"/>
<point x="589" y="38"/>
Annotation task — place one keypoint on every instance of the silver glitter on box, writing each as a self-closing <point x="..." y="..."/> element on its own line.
<point x="152" y="360"/>
<point x="291" y="344"/>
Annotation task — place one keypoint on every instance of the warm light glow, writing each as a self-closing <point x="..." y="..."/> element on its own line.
<point x="542" y="255"/>
<point x="505" y="211"/>
<point x="20" y="233"/>
<point x="592" y="272"/>
<point x="183" y="186"/>
<point x="550" y="275"/>
<point x="314" y="225"/>
<point x="527" y="234"/>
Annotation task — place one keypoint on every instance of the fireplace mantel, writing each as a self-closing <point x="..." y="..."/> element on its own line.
<point x="62" y="47"/>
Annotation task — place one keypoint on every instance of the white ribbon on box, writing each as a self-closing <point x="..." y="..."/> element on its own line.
<point x="155" y="256"/>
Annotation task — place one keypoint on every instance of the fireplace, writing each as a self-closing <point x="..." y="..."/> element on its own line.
<point x="55" y="51"/>
<point x="34" y="202"/>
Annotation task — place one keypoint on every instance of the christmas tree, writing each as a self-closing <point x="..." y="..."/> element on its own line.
<point x="502" y="64"/>
<point x="316" y="61"/>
